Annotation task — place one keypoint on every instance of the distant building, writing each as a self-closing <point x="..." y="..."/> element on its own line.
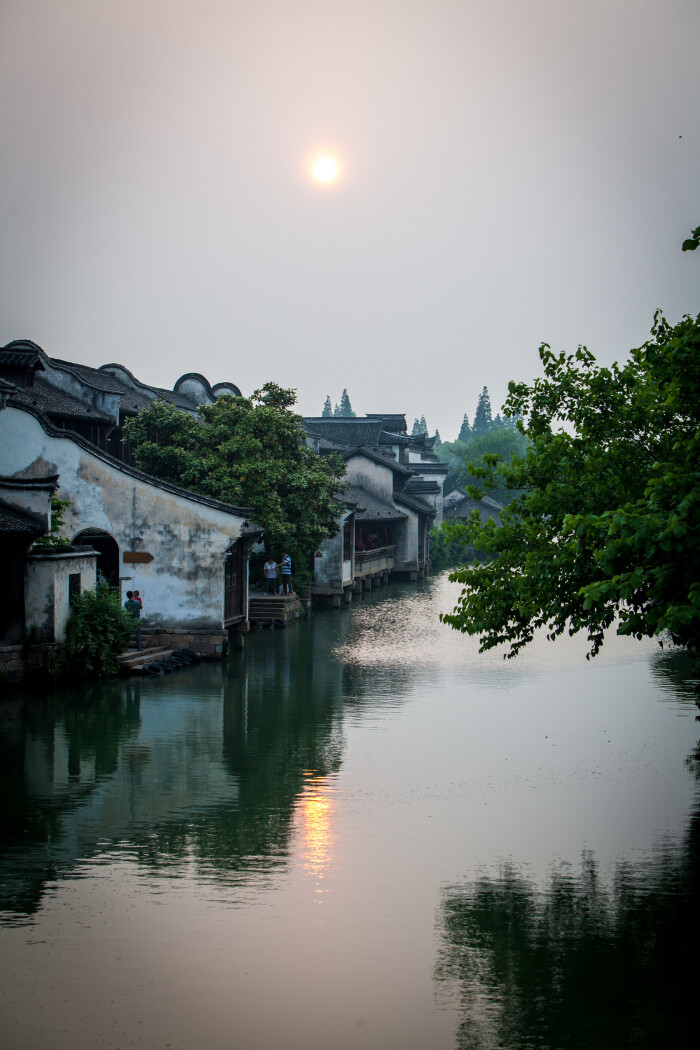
<point x="395" y="487"/>
<point x="460" y="505"/>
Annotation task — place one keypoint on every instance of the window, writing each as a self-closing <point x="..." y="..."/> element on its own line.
<point x="347" y="540"/>
<point x="73" y="587"/>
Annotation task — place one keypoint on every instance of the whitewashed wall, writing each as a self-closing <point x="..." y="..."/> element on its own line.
<point x="183" y="587"/>
<point x="46" y="591"/>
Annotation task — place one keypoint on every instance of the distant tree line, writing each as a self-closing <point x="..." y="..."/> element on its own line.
<point x="486" y="436"/>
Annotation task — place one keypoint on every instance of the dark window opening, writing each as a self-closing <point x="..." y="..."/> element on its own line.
<point x="234" y="582"/>
<point x="372" y="536"/>
<point x="73" y="587"/>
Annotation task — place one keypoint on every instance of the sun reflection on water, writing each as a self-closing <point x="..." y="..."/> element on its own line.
<point x="315" y="812"/>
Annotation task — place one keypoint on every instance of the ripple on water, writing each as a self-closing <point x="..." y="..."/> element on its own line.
<point x="404" y="630"/>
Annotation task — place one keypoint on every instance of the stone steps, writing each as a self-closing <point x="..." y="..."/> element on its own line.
<point x="265" y="608"/>
<point x="136" y="659"/>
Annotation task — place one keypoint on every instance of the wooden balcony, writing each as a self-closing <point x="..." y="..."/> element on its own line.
<point x="369" y="562"/>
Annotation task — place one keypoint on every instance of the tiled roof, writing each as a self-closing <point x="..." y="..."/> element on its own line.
<point x="55" y="402"/>
<point x="345" y="431"/>
<point x="94" y="377"/>
<point x="179" y="400"/>
<point x="416" y="503"/>
<point x="430" y="468"/>
<point x="108" y="379"/>
<point x="21" y="353"/>
<point x="462" y="508"/>
<point x="457" y="495"/>
<point x="370" y="507"/>
<point x="133" y="400"/>
<point x="20" y="359"/>
<point x="13" y="520"/>
<point x="420" y="485"/>
<point x="392" y="421"/>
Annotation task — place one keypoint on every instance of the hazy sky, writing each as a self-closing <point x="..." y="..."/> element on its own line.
<point x="511" y="172"/>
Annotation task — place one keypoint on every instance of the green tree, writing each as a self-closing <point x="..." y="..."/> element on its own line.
<point x="482" y="417"/>
<point x="466" y="458"/>
<point x="345" y="409"/>
<point x="249" y="452"/>
<point x="453" y="453"/>
<point x="465" y="430"/>
<point x="327" y="407"/>
<point x="447" y="549"/>
<point x="98" y="630"/>
<point x="606" y="527"/>
<point x="498" y="441"/>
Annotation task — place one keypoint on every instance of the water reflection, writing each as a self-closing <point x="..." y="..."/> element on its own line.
<point x="582" y="963"/>
<point x="201" y="771"/>
<point x="677" y="675"/>
<point x="309" y="800"/>
<point x="315" y="818"/>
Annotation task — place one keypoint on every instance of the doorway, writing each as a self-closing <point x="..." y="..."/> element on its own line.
<point x="107" y="552"/>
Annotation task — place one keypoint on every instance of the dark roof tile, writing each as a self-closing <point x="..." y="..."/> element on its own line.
<point x="14" y="520"/>
<point x="54" y="402"/>
<point x="369" y="507"/>
<point x="94" y="377"/>
<point x="421" y="485"/>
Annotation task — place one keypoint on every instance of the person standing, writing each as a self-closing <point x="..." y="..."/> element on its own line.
<point x="133" y="607"/>
<point x="286" y="574"/>
<point x="270" y="571"/>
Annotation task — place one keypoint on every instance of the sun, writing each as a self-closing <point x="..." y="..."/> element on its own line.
<point x="325" y="168"/>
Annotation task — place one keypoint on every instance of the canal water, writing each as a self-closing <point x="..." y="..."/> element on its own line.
<point x="360" y="833"/>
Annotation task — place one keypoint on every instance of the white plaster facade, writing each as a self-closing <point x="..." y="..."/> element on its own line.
<point x="186" y="536"/>
<point x="365" y="471"/>
<point x="333" y="573"/>
<point x="47" y="590"/>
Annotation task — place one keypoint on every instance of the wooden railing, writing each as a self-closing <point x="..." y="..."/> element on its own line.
<point x="365" y="558"/>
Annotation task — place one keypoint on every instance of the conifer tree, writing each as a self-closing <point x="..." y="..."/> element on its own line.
<point x="345" y="409"/>
<point x="465" y="430"/>
<point x="336" y="411"/>
<point x="423" y="425"/>
<point x="327" y="407"/>
<point x="416" y="427"/>
<point x="482" y="417"/>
